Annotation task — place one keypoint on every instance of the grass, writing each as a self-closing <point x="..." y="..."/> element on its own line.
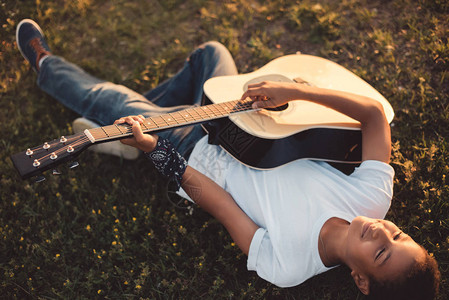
<point x="108" y="229"/>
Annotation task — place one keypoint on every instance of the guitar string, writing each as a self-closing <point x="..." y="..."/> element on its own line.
<point x="128" y="128"/>
<point x="240" y="106"/>
<point x="62" y="149"/>
<point x="40" y="147"/>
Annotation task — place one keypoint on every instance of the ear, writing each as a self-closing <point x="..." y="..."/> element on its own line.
<point x="362" y="282"/>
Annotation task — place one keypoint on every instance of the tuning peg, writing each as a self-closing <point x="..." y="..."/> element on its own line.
<point x="56" y="172"/>
<point x="39" y="178"/>
<point x="36" y="163"/>
<point x="73" y="164"/>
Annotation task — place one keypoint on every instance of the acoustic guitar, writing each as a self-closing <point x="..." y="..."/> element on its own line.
<point x="259" y="138"/>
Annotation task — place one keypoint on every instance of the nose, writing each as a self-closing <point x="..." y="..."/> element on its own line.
<point x="379" y="231"/>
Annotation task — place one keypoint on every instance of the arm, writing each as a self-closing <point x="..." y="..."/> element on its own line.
<point x="220" y="204"/>
<point x="202" y="190"/>
<point x="376" y="139"/>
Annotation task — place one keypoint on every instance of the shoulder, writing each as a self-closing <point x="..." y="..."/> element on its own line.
<point x="373" y="169"/>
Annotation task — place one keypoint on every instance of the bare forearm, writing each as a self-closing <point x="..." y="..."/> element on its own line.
<point x="216" y="201"/>
<point x="374" y="125"/>
<point x="201" y="189"/>
<point x="358" y="107"/>
<point x="376" y="140"/>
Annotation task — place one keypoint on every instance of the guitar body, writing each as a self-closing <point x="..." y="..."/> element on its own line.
<point x="332" y="145"/>
<point x="262" y="139"/>
<point x="268" y="139"/>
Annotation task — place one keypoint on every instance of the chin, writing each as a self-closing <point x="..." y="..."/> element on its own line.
<point x="356" y="228"/>
<point x="358" y="221"/>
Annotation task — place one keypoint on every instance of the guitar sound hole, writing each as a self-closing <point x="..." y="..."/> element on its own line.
<point x="278" y="108"/>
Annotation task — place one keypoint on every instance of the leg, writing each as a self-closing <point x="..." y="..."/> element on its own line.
<point x="89" y="96"/>
<point x="104" y="102"/>
<point x="186" y="87"/>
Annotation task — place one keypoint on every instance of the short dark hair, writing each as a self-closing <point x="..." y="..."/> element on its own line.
<point x="421" y="282"/>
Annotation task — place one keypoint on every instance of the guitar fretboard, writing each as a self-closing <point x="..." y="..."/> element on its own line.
<point x="184" y="117"/>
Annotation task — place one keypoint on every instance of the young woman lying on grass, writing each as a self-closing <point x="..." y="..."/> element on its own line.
<point x="293" y="222"/>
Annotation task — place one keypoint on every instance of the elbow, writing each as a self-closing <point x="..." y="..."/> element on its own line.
<point x="374" y="113"/>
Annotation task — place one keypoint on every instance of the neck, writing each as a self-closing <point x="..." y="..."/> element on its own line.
<point x="192" y="115"/>
<point x="332" y="240"/>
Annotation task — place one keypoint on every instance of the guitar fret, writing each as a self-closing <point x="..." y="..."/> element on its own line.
<point x="200" y="114"/>
<point x="98" y="133"/>
<point x="169" y="119"/>
<point x="243" y="106"/>
<point x="225" y="108"/>
<point x="187" y="115"/>
<point x="197" y="115"/>
<point x="239" y="105"/>
<point x="215" y="110"/>
<point x="150" y="124"/>
<point x="178" y="117"/>
<point x="144" y="126"/>
<point x="159" y="121"/>
<point x="102" y="128"/>
<point x="232" y="106"/>
<point x="193" y="114"/>
<point x="207" y="111"/>
<point x="118" y="127"/>
<point x="112" y="130"/>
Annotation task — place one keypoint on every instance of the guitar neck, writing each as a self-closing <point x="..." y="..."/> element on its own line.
<point x="190" y="116"/>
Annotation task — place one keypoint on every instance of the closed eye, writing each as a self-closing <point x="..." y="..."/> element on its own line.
<point x="397" y="236"/>
<point x="380" y="253"/>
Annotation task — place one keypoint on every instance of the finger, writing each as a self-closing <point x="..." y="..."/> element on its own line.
<point x="145" y="142"/>
<point x="130" y="119"/>
<point x="136" y="119"/>
<point x="258" y="84"/>
<point x="137" y="132"/>
<point x="263" y="103"/>
<point x="119" y="121"/>
<point x="253" y="94"/>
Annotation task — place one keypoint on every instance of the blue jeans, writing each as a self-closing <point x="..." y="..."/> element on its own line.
<point x="104" y="102"/>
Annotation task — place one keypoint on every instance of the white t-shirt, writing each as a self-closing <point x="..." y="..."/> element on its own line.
<point x="291" y="203"/>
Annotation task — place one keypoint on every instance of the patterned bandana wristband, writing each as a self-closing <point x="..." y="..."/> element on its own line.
<point x="168" y="161"/>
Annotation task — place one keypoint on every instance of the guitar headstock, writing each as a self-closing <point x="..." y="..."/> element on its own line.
<point x="34" y="161"/>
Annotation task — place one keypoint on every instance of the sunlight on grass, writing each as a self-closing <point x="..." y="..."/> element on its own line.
<point x="109" y="229"/>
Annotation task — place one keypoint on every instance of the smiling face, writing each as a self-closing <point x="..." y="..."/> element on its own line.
<point x="379" y="249"/>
